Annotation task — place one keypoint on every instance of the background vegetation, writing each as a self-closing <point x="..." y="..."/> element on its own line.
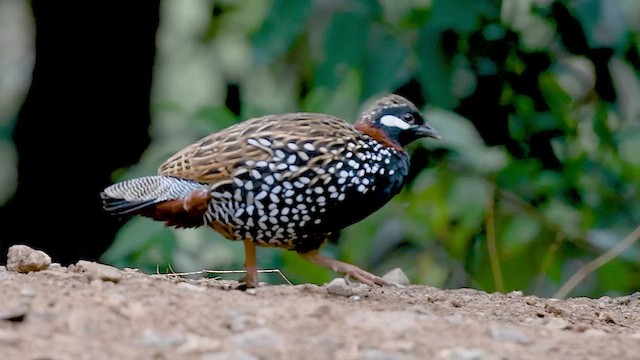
<point x="538" y="173"/>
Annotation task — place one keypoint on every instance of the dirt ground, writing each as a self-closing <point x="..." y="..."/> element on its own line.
<point x="91" y="311"/>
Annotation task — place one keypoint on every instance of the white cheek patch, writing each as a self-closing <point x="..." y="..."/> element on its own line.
<point x="394" y="121"/>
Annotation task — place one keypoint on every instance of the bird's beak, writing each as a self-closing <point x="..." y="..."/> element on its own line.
<point x="426" y="130"/>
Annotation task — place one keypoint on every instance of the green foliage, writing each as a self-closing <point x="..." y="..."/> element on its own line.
<point x="537" y="105"/>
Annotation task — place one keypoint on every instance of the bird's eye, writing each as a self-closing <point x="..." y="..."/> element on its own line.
<point x="408" y="117"/>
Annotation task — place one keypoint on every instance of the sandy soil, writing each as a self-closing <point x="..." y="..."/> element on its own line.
<point x="91" y="311"/>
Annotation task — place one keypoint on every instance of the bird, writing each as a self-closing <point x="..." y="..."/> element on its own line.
<point x="287" y="180"/>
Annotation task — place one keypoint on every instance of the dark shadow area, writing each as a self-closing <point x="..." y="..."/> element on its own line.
<point x="86" y="114"/>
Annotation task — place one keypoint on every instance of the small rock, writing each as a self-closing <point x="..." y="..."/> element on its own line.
<point x="552" y="309"/>
<point x="397" y="276"/>
<point x="466" y="354"/>
<point x="251" y="291"/>
<point x="95" y="271"/>
<point x="3" y="268"/>
<point x="403" y="346"/>
<point x="24" y="259"/>
<point x="189" y="287"/>
<point x="557" y="323"/>
<point x="198" y="344"/>
<point x="27" y="292"/>
<point x="453" y="319"/>
<point x="9" y="337"/>
<point x="516" y="293"/>
<point x="16" y="313"/>
<point x="606" y="317"/>
<point x="508" y="333"/>
<point x="262" y="342"/>
<point x="229" y="355"/>
<point x="155" y="339"/>
<point x="531" y="301"/>
<point x="374" y="354"/>
<point x="322" y="311"/>
<point x="594" y="332"/>
<point x="238" y="320"/>
<point x="388" y="322"/>
<point x="307" y="287"/>
<point x="340" y="287"/>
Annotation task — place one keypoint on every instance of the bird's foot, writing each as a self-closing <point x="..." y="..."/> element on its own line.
<point x="349" y="270"/>
<point x="365" y="277"/>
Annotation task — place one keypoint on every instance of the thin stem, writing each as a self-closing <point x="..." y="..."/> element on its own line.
<point x="597" y="263"/>
<point x="491" y="242"/>
<point x="548" y="259"/>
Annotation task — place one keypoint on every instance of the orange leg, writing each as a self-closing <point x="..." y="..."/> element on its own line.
<point x="251" y="278"/>
<point x="351" y="271"/>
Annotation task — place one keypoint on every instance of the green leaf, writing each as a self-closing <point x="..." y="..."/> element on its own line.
<point x="299" y="270"/>
<point x="281" y="28"/>
<point x="600" y="20"/>
<point x="344" y="48"/>
<point x="387" y="63"/>
<point x="141" y="243"/>
<point x="629" y="146"/>
<point x="435" y="72"/>
<point x="460" y="136"/>
<point x="461" y="15"/>
<point x="342" y="101"/>
<point x="213" y="118"/>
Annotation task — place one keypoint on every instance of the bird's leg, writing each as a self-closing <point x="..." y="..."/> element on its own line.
<point x="349" y="270"/>
<point x="251" y="278"/>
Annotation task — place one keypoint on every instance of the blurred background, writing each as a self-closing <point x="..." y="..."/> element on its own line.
<point x="534" y="187"/>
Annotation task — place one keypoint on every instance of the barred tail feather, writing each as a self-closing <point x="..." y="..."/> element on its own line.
<point x="124" y="207"/>
<point x="131" y="197"/>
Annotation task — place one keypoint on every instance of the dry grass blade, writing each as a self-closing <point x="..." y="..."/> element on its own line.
<point x="597" y="263"/>
<point x="491" y="242"/>
<point x="215" y="272"/>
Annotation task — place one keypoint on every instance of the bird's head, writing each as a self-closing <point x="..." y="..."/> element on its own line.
<point x="395" y="121"/>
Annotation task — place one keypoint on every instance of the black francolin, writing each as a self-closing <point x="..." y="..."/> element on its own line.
<point x="287" y="180"/>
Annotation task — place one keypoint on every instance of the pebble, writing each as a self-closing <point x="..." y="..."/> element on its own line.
<point x="153" y="338"/>
<point x="373" y="354"/>
<point x="515" y="293"/>
<point x="404" y="346"/>
<point x="198" y="344"/>
<point x="96" y="271"/>
<point x="386" y="321"/>
<point x="9" y="337"/>
<point x="466" y="354"/>
<point x="340" y="287"/>
<point x="557" y="323"/>
<point x="16" y="313"/>
<point x="239" y="320"/>
<point x="594" y="332"/>
<point x="321" y="311"/>
<point x="397" y="276"/>
<point x="453" y="319"/>
<point x="229" y="355"/>
<point x="262" y="342"/>
<point x="24" y="259"/>
<point x="189" y="287"/>
<point x="251" y="291"/>
<point x="508" y="333"/>
<point x="606" y="317"/>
